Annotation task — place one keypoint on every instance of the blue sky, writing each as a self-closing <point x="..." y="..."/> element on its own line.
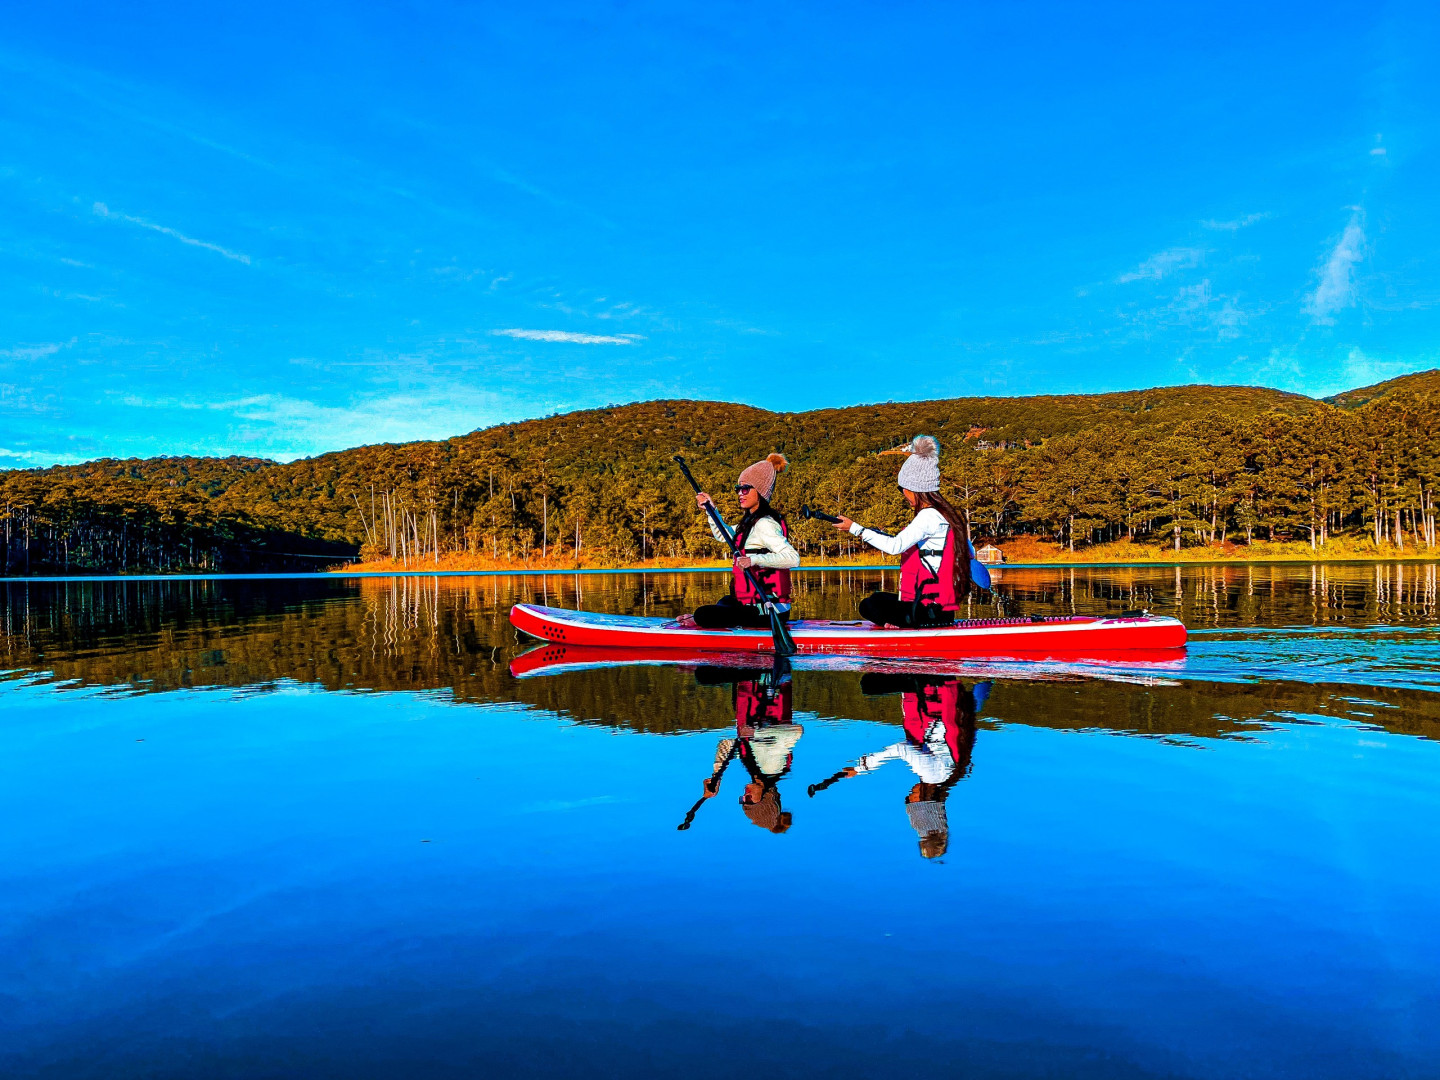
<point x="280" y="229"/>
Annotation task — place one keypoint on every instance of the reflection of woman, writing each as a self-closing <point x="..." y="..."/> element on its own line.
<point x="939" y="720"/>
<point x="765" y="742"/>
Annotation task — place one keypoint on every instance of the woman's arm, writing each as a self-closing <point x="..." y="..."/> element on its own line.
<point x="703" y="500"/>
<point x="929" y="522"/>
<point x="871" y="762"/>
<point x="779" y="554"/>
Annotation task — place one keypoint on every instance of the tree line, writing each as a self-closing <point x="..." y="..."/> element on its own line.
<point x="1172" y="467"/>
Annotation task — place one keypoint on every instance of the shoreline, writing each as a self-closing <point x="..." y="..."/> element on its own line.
<point x="647" y="569"/>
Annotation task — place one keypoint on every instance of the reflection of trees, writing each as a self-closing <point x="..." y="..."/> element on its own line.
<point x="452" y="635"/>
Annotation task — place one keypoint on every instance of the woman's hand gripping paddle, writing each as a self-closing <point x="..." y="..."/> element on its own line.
<point x="784" y="643"/>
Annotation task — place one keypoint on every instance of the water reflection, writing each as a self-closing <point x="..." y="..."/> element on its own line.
<point x="939" y="720"/>
<point x="764" y="742"/>
<point x="1365" y="633"/>
<point x="388" y="829"/>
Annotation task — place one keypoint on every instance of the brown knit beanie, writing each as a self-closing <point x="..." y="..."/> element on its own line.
<point x="766" y="812"/>
<point x="761" y="475"/>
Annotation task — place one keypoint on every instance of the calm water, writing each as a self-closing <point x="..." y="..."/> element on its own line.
<point x="318" y="828"/>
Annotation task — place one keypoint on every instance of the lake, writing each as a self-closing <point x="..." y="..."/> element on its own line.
<point x="317" y="828"/>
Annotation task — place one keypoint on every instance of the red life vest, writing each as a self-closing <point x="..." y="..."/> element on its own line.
<point x="934" y="702"/>
<point x="757" y="704"/>
<point x="777" y="581"/>
<point x="915" y="577"/>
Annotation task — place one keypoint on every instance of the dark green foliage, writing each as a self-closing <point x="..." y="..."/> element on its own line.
<point x="1172" y="466"/>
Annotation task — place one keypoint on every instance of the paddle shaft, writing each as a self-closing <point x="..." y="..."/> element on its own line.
<point x="807" y="513"/>
<point x="841" y="775"/>
<point x="714" y="778"/>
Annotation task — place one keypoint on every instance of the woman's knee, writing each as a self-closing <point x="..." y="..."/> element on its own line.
<point x="715" y="617"/>
<point x="879" y="607"/>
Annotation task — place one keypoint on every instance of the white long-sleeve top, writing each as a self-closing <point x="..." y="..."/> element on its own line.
<point x="772" y="745"/>
<point x="931" y="761"/>
<point x="928" y="529"/>
<point x="766" y="545"/>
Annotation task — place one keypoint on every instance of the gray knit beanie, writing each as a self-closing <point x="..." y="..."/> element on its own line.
<point x="927" y="817"/>
<point x="921" y="471"/>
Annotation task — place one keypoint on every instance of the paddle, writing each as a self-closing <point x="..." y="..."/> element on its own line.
<point x="784" y="643"/>
<point x="807" y="514"/>
<point x="844" y="773"/>
<point x="715" y="780"/>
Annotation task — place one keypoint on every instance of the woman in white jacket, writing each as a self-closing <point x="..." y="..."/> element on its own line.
<point x="937" y="560"/>
<point x="763" y="538"/>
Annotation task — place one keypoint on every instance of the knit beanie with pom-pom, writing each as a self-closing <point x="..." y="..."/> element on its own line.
<point x="921" y="471"/>
<point x="761" y="475"/>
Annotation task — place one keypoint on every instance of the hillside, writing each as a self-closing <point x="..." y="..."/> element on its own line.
<point x="1176" y="465"/>
<point x="1416" y="384"/>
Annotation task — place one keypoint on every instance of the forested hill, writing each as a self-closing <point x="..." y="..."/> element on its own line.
<point x="1175" y="465"/>
<point x="1419" y="384"/>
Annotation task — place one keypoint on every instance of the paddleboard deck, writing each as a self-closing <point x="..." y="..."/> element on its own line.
<point x="1074" y="634"/>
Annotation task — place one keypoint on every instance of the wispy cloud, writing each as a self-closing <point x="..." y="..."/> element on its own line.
<point x="22" y="458"/>
<point x="1195" y="307"/>
<point x="568" y="336"/>
<point x="1336" y="288"/>
<point x="31" y="353"/>
<point x="101" y="210"/>
<point x="1163" y="264"/>
<point x="284" y="427"/>
<point x="1362" y="370"/>
<point x="1236" y="224"/>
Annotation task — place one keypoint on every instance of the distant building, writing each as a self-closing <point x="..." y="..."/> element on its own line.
<point x="990" y="555"/>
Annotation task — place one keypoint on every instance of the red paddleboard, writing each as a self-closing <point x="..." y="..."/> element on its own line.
<point x="1074" y="635"/>
<point x="1141" y="666"/>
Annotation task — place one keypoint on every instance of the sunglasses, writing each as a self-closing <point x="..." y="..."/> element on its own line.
<point x="740" y="489"/>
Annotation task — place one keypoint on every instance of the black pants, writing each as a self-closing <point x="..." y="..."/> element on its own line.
<point x="730" y="612"/>
<point x="884" y="608"/>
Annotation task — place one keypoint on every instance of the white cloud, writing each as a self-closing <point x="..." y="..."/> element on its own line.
<point x="31" y="353"/>
<point x="104" y="211"/>
<point x="1196" y="307"/>
<point x="1235" y="225"/>
<point x="1377" y="151"/>
<point x="568" y="336"/>
<point x="1281" y="369"/>
<point x="1361" y="370"/>
<point x="1163" y="264"/>
<point x="1336" y="288"/>
<point x="284" y="428"/>
<point x="34" y="459"/>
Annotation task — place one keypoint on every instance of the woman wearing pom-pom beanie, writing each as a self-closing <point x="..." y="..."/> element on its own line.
<point x="763" y="538"/>
<point x="936" y="565"/>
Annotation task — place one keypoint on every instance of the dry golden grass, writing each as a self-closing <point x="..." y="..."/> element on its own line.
<point x="1026" y="550"/>
<point x="1030" y="550"/>
<point x="461" y="562"/>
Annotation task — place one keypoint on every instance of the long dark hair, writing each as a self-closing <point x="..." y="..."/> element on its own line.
<point x="959" y="529"/>
<point x="762" y="509"/>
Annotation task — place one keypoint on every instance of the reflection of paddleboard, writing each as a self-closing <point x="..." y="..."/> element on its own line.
<point x="1144" y="666"/>
<point x="971" y="637"/>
